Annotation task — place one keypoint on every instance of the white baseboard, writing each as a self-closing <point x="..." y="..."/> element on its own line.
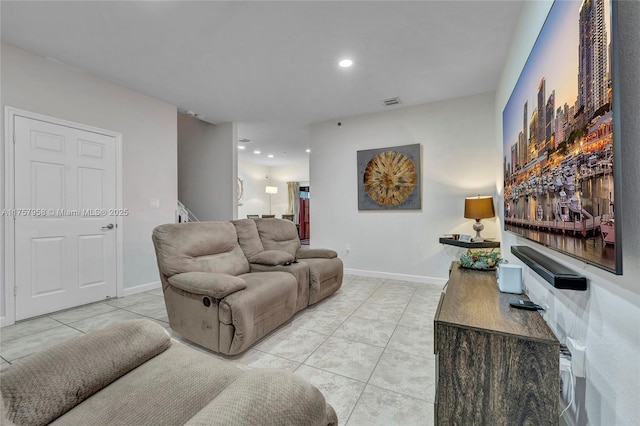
<point x="399" y="277"/>
<point x="141" y="288"/>
<point x="4" y="322"/>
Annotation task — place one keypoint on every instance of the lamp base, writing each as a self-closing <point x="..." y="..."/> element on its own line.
<point x="478" y="226"/>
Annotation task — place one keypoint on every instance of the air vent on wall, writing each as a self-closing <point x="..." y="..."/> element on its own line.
<point x="245" y="140"/>
<point x="391" y="101"/>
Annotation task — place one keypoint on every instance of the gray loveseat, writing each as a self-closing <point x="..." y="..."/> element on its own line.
<point x="228" y="284"/>
<point x="134" y="374"/>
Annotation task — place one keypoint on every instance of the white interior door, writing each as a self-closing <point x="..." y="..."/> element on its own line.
<point x="65" y="200"/>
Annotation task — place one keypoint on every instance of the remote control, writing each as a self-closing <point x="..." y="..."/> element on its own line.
<point x="525" y="304"/>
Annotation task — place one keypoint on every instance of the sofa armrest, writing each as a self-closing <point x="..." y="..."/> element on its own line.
<point x="311" y="253"/>
<point x="267" y="397"/>
<point x="213" y="284"/>
<point x="45" y="385"/>
<point x="271" y="258"/>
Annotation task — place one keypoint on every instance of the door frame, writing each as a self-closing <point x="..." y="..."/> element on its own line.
<point x="10" y="113"/>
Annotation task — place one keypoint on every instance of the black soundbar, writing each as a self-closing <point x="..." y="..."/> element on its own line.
<point x="554" y="273"/>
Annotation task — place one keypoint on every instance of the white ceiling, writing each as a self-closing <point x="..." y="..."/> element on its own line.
<point x="271" y="66"/>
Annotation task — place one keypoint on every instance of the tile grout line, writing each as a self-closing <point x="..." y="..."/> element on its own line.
<point x="380" y="357"/>
<point x="384" y="350"/>
<point x="332" y="334"/>
<point x="365" y="383"/>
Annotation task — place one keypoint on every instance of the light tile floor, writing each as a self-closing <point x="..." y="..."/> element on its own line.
<point x="368" y="348"/>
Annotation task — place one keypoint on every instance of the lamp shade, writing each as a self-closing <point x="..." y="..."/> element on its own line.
<point x="271" y="190"/>
<point x="478" y="207"/>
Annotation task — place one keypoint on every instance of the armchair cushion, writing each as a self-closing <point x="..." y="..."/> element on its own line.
<point x="267" y="397"/>
<point x="271" y="258"/>
<point x="213" y="284"/>
<point x="49" y="383"/>
<point x="314" y="253"/>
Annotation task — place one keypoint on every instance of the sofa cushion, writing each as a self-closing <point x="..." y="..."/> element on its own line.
<point x="300" y="271"/>
<point x="212" y="284"/>
<point x="267" y="397"/>
<point x="248" y="236"/>
<point x="167" y="390"/>
<point x="48" y="383"/>
<point x="272" y="258"/>
<point x="266" y="293"/>
<point x="4" y="421"/>
<point x="199" y="247"/>
<point x="268" y="301"/>
<point x="278" y="234"/>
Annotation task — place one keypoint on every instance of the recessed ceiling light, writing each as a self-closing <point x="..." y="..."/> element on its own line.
<point x="256" y="152"/>
<point x="270" y="155"/>
<point x="241" y="147"/>
<point x="308" y="150"/>
<point x="345" y="63"/>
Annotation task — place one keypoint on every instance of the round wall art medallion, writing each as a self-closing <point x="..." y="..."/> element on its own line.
<point x="390" y="178"/>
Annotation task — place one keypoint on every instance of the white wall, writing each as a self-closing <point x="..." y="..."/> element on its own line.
<point x="256" y="177"/>
<point x="606" y="318"/>
<point x="207" y="168"/>
<point x="254" y="200"/>
<point x="148" y="129"/>
<point x="459" y="159"/>
<point x="291" y="173"/>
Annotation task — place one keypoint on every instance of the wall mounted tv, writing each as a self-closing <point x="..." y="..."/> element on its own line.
<point x="561" y="144"/>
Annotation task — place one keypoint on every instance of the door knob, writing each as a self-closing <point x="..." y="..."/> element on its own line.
<point x="109" y="227"/>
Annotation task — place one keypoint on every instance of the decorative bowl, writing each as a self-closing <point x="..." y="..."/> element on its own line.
<point x="483" y="260"/>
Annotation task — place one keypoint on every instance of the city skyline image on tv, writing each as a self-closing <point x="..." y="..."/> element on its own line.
<point x="558" y="138"/>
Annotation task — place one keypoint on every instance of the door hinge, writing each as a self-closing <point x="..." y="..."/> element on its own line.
<point x="15" y="290"/>
<point x="14" y="138"/>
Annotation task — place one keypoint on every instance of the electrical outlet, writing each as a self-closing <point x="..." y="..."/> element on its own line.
<point x="577" y="350"/>
<point x="545" y="311"/>
<point x="155" y="203"/>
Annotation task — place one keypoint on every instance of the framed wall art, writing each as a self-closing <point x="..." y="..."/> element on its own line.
<point x="389" y="178"/>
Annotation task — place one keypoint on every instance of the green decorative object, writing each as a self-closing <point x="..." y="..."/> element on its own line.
<point x="481" y="259"/>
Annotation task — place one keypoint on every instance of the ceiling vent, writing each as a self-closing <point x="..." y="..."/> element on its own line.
<point x="391" y="102"/>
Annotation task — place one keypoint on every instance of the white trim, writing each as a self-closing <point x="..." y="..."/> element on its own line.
<point x="141" y="288"/>
<point x="399" y="277"/>
<point x="119" y="219"/>
<point x="9" y="229"/>
<point x="9" y="202"/>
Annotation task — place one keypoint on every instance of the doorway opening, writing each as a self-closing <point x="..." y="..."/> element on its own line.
<point x="303" y="217"/>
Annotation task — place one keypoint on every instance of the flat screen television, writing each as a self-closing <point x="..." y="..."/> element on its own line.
<point x="560" y="137"/>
